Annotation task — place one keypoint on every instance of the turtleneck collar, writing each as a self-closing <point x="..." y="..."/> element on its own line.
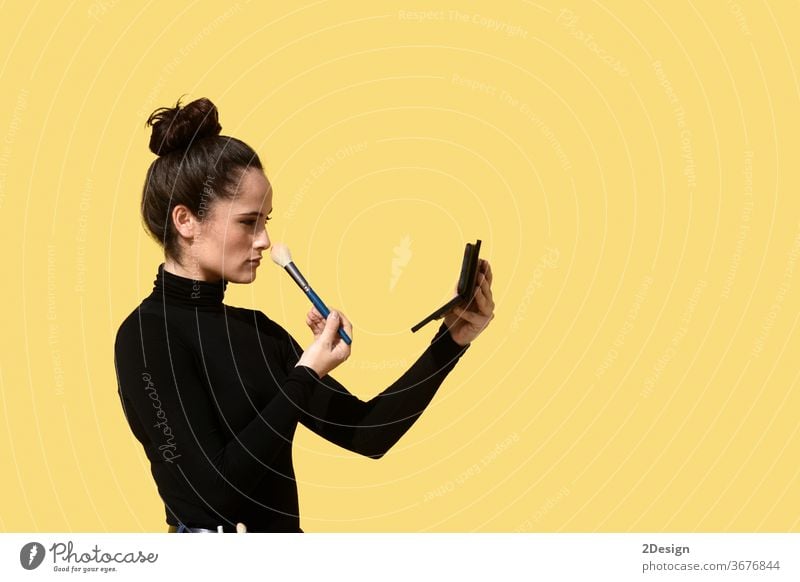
<point x="175" y="289"/>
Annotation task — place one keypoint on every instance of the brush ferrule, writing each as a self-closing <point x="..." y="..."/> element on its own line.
<point x="297" y="276"/>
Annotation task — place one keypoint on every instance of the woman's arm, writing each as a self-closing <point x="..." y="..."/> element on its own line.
<point x="170" y="411"/>
<point x="371" y="428"/>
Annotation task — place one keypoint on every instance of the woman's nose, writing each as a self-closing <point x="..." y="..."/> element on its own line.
<point x="262" y="241"/>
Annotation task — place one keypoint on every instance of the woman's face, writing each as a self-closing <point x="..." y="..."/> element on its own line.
<point x="233" y="232"/>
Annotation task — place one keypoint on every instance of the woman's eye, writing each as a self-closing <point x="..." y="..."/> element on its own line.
<point x="252" y="222"/>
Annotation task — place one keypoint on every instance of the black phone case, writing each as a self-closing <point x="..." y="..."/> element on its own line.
<point x="466" y="284"/>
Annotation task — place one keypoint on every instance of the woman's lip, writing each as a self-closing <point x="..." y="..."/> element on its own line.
<point x="256" y="261"/>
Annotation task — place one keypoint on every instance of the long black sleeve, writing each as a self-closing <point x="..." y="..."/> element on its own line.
<point x="371" y="428"/>
<point x="166" y="399"/>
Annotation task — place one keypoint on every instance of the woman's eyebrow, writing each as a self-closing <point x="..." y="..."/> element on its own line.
<point x="254" y="213"/>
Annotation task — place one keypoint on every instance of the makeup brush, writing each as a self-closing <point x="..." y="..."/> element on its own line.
<point x="283" y="258"/>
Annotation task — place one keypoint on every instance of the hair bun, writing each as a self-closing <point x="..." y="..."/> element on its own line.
<point x="176" y="128"/>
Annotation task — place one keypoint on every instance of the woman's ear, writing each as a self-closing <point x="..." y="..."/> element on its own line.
<point x="184" y="221"/>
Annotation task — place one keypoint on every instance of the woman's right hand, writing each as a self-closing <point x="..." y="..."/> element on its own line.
<point x="328" y="349"/>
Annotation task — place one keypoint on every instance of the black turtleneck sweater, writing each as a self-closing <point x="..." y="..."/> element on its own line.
<point x="213" y="395"/>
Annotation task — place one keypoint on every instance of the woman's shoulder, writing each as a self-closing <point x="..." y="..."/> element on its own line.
<point x="148" y="319"/>
<point x="270" y="326"/>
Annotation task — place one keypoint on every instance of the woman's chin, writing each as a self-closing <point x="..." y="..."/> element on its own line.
<point x="246" y="275"/>
<point x="250" y="272"/>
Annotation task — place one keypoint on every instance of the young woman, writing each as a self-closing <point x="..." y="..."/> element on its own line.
<point x="214" y="392"/>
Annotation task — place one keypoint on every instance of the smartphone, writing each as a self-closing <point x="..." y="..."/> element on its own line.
<point x="466" y="284"/>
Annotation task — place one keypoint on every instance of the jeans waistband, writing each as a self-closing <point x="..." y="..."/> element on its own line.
<point x="183" y="528"/>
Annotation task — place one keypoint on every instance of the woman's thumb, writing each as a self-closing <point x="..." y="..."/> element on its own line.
<point x="331" y="325"/>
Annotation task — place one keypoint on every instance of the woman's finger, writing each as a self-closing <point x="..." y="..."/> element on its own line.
<point x="315" y="322"/>
<point x="486" y="288"/>
<point x="346" y="325"/>
<point x="481" y="300"/>
<point x="485" y="304"/>
<point x="471" y="316"/>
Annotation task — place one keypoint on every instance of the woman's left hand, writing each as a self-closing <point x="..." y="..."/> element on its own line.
<point x="467" y="324"/>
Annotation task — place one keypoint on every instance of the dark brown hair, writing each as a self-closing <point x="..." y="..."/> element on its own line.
<point x="196" y="166"/>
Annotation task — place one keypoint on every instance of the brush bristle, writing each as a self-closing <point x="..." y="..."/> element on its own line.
<point x="280" y="254"/>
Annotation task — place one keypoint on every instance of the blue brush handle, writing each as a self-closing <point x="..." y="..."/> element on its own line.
<point x="325" y="311"/>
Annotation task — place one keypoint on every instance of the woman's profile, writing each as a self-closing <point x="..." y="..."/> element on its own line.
<point x="214" y="392"/>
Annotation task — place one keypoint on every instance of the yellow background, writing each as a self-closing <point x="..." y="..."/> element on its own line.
<point x="632" y="170"/>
